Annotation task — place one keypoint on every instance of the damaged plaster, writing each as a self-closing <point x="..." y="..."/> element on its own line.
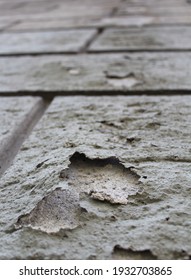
<point x="103" y="179"/>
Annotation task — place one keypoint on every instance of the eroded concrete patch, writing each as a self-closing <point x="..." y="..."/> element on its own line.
<point x="103" y="179"/>
<point x="123" y="82"/>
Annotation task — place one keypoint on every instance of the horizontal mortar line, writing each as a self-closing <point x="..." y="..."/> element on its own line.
<point x="6" y="30"/>
<point x="90" y="27"/>
<point x="39" y="53"/>
<point x="144" y="26"/>
<point x="137" y="51"/>
<point x="88" y="53"/>
<point x="51" y="94"/>
<point x="20" y="134"/>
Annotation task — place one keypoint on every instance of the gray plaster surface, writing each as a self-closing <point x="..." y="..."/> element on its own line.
<point x="73" y="163"/>
<point x="16" y="115"/>
<point x="145" y="38"/>
<point x="45" y="42"/>
<point x="89" y="72"/>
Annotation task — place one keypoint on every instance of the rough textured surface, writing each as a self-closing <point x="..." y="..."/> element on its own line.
<point x="108" y="72"/>
<point x="147" y="38"/>
<point x="47" y="42"/>
<point x="147" y="137"/>
<point x="16" y="115"/>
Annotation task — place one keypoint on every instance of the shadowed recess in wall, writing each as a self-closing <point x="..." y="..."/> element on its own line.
<point x="102" y="179"/>
<point x="120" y="253"/>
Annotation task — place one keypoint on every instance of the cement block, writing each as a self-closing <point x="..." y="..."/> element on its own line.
<point x="74" y="22"/>
<point x="89" y="73"/>
<point x="145" y="38"/>
<point x="45" y="42"/>
<point x="115" y="172"/>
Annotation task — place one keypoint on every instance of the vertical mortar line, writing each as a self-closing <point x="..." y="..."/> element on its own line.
<point x="99" y="30"/>
<point x="116" y="8"/>
<point x="114" y="11"/>
<point x="11" y="148"/>
<point x="85" y="49"/>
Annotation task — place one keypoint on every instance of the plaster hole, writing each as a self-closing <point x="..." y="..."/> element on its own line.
<point x="132" y="140"/>
<point x="122" y="80"/>
<point x="58" y="210"/>
<point x="120" y="253"/>
<point x="102" y="179"/>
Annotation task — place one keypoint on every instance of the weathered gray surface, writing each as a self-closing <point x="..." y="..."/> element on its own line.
<point x="17" y="115"/>
<point x="38" y="42"/>
<point x="145" y="38"/>
<point x="106" y="72"/>
<point x="76" y="155"/>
